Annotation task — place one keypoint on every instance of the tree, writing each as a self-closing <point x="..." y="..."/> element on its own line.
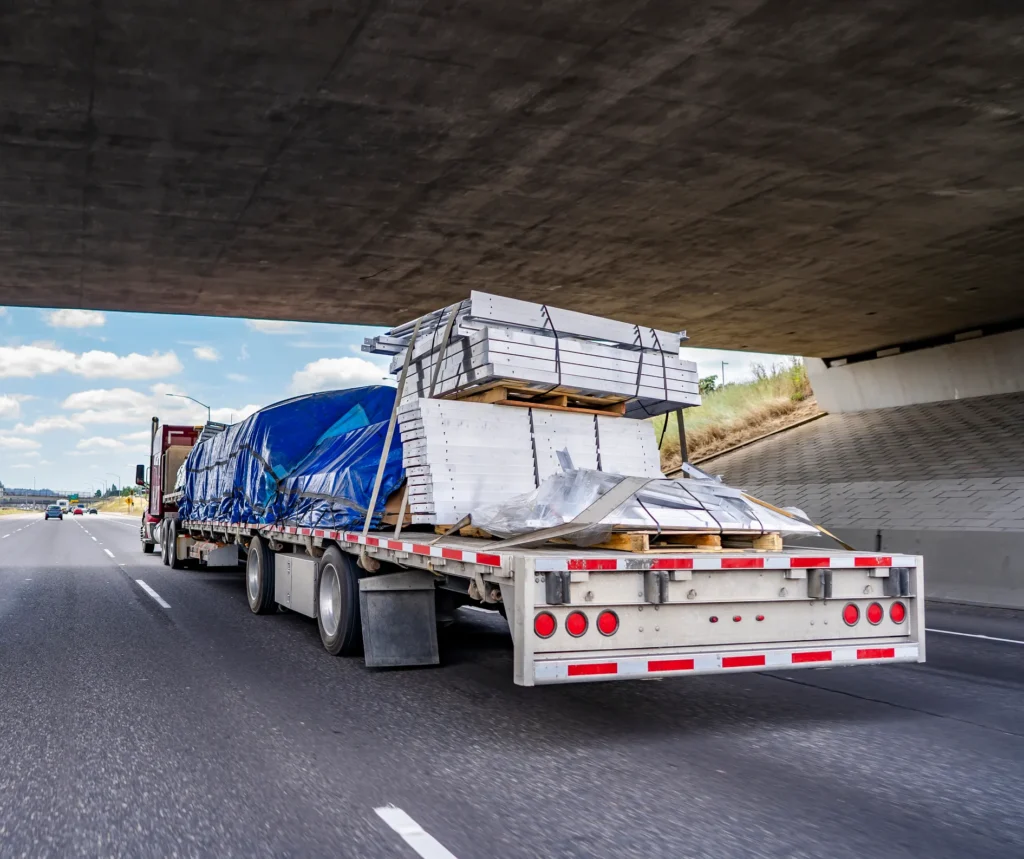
<point x="707" y="385"/>
<point x="98" y="494"/>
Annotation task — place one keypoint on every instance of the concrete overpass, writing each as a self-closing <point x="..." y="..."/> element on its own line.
<point x="825" y="180"/>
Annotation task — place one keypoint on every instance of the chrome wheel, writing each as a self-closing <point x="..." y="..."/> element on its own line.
<point x="330" y="600"/>
<point x="252" y="577"/>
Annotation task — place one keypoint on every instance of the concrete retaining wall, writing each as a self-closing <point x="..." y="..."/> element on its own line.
<point x="970" y="368"/>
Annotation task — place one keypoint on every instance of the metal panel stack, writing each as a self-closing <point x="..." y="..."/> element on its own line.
<point x="533" y="349"/>
<point x="459" y="456"/>
<point x="573" y="376"/>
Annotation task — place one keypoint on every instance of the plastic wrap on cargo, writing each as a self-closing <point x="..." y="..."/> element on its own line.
<point x="307" y="461"/>
<point x="695" y="505"/>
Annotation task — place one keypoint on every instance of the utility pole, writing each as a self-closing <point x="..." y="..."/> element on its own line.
<point x="724" y="365"/>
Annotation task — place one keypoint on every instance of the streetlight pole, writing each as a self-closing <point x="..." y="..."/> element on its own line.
<point x="194" y="400"/>
<point x="118" y="476"/>
<point x="724" y="365"/>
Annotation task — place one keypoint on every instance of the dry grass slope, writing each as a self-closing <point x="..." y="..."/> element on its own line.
<point x="779" y="397"/>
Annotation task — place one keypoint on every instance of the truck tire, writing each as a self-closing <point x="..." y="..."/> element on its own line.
<point x="341" y="629"/>
<point x="173" y="561"/>
<point x="164" y="556"/>
<point x="259" y="578"/>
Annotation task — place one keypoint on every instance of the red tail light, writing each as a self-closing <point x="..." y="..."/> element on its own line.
<point x="576" y="624"/>
<point x="851" y="614"/>
<point x="544" y="624"/>
<point x="898" y="612"/>
<point x="607" y="623"/>
<point x="875" y="613"/>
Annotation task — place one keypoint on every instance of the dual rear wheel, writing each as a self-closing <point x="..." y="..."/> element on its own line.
<point x="337" y="595"/>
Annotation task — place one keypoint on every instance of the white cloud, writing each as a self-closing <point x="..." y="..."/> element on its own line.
<point x="98" y="442"/>
<point x="23" y="465"/>
<point x="10" y="407"/>
<point x="141" y="435"/>
<point x="44" y="359"/>
<point x="273" y="326"/>
<point x="48" y="424"/>
<point x="206" y="353"/>
<point x="128" y="406"/>
<point x="233" y="416"/>
<point x="237" y="377"/>
<point x="10" y="442"/>
<point x="74" y="318"/>
<point x="327" y="374"/>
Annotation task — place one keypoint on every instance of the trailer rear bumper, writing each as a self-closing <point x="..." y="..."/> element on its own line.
<point x="590" y="668"/>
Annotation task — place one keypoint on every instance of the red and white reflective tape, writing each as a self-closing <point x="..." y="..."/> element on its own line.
<point x="487" y="559"/>
<point x="725" y="561"/>
<point x="623" y="561"/>
<point x="662" y="665"/>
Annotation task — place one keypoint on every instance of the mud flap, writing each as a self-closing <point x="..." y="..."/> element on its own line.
<point x="399" y="622"/>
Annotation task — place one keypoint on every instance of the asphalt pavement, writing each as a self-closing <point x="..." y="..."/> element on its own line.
<point x="146" y="712"/>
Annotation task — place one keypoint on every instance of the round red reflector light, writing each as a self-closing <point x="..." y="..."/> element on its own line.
<point x="714" y="619"/>
<point x="759" y="617"/>
<point x="576" y="624"/>
<point x="875" y="613"/>
<point x="736" y="618"/>
<point x="544" y="624"/>
<point x="607" y="623"/>
<point x="898" y="612"/>
<point x="851" y="614"/>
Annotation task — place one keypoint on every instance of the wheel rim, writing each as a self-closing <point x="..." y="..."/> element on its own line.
<point x="252" y="576"/>
<point x="330" y="600"/>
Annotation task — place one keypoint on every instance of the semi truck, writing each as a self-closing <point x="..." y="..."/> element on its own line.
<point x="630" y="607"/>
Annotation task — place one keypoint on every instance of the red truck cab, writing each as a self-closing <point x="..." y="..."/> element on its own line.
<point x="169" y="448"/>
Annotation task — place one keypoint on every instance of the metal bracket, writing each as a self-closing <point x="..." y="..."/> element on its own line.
<point x="819" y="584"/>
<point x="898" y="583"/>
<point x="556" y="587"/>
<point x="656" y="586"/>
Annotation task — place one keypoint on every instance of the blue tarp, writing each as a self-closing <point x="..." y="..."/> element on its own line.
<point x="308" y="461"/>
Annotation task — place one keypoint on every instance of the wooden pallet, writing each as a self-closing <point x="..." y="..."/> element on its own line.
<point x="633" y="541"/>
<point x="650" y="541"/>
<point x="564" y="401"/>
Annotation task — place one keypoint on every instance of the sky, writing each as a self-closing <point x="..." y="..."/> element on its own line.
<point x="78" y="387"/>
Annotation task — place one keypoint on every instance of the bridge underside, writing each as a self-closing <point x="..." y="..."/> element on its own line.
<point x="777" y="176"/>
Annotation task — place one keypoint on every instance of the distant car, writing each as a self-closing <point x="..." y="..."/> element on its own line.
<point x="93" y="510"/>
<point x="78" y="511"/>
<point x="53" y="512"/>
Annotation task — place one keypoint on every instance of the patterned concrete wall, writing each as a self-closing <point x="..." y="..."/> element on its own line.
<point x="943" y="480"/>
<point x="953" y="465"/>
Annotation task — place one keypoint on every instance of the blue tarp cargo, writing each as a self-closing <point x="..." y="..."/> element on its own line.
<point x="308" y="461"/>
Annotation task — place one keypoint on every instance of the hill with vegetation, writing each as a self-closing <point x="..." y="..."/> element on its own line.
<point x="776" y="398"/>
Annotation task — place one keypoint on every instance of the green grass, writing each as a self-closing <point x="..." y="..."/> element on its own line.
<point x="780" y="395"/>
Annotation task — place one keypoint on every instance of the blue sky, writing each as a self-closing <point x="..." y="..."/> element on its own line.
<point x="78" y="387"/>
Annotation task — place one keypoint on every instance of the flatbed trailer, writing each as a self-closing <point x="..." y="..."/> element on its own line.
<point x="578" y="615"/>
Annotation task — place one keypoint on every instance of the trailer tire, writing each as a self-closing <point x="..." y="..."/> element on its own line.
<point x="341" y="629"/>
<point x="259" y="577"/>
<point x="173" y="561"/>
<point x="164" y="556"/>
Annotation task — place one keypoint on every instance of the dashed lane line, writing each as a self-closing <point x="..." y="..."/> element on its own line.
<point x="975" y="635"/>
<point x="109" y="552"/>
<point x="159" y="599"/>
<point x="425" y="845"/>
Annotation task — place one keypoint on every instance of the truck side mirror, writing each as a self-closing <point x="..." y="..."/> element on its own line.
<point x="140" y="475"/>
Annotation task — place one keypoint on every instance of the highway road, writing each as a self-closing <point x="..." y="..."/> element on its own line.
<point x="167" y="720"/>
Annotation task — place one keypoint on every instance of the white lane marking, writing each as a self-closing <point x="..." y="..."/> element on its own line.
<point x="93" y="539"/>
<point x="159" y="599"/>
<point x="109" y="552"/>
<point x="413" y="834"/>
<point x="974" y="635"/>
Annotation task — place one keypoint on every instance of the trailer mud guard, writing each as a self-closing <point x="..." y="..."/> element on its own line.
<point x="399" y="622"/>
